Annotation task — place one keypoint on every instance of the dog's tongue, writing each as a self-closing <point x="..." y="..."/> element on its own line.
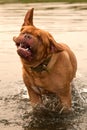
<point x="24" y="53"/>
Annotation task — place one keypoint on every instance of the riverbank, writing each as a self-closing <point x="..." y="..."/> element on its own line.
<point x="37" y="1"/>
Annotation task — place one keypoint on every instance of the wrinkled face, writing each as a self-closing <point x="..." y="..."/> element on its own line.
<point x="32" y="43"/>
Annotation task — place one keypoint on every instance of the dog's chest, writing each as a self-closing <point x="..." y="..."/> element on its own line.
<point x="39" y="79"/>
<point x="45" y="80"/>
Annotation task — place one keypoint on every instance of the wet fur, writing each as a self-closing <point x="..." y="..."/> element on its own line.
<point x="59" y="72"/>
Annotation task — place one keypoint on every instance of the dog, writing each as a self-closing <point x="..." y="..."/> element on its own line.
<point x="48" y="66"/>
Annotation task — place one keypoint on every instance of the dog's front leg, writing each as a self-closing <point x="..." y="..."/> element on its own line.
<point x="65" y="99"/>
<point x="33" y="91"/>
<point x="35" y="98"/>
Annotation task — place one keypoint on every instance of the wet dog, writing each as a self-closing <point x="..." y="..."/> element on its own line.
<point x="48" y="66"/>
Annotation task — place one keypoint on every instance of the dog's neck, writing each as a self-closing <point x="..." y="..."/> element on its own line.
<point x="42" y="66"/>
<point x="45" y="65"/>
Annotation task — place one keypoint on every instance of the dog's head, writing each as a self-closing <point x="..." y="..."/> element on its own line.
<point x="34" y="44"/>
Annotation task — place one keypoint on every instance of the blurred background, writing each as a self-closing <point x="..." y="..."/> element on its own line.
<point x="34" y="1"/>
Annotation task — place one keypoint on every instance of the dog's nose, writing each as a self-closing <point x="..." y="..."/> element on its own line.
<point x="27" y="36"/>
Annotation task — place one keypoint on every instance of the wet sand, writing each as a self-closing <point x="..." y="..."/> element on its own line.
<point x="68" y="24"/>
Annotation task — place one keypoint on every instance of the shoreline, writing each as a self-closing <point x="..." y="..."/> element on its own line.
<point x="42" y="1"/>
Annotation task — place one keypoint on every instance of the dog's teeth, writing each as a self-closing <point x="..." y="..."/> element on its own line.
<point x="20" y="45"/>
<point x="27" y="49"/>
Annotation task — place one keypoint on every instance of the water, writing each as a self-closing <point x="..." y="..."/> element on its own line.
<point x="68" y="24"/>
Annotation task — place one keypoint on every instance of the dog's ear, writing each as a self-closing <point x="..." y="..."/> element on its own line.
<point x="28" y="20"/>
<point x="54" y="46"/>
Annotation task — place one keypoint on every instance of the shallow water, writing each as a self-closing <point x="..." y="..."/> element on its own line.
<point x="68" y="24"/>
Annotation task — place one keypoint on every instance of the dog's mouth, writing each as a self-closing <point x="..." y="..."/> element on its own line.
<point x="24" y="49"/>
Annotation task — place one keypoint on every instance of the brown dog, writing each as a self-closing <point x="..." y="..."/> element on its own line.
<point x="47" y="65"/>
